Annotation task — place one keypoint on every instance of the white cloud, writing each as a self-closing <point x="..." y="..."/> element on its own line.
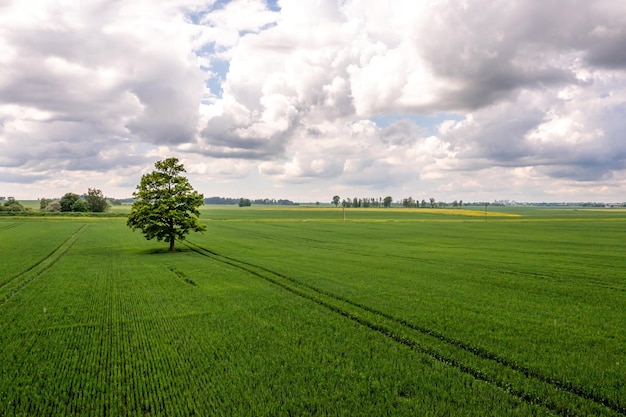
<point x="535" y="93"/>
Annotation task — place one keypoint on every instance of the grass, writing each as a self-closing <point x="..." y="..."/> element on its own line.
<point x="294" y="311"/>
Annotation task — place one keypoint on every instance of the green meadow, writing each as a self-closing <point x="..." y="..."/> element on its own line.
<point x="296" y="311"/>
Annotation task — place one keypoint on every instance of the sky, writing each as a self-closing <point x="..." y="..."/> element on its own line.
<point x="306" y="99"/>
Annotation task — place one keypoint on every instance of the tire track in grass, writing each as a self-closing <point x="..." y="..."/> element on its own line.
<point x="10" y="226"/>
<point x="42" y="260"/>
<point x="558" y="396"/>
<point x="23" y="279"/>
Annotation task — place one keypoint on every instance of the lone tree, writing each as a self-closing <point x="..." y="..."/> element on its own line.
<point x="166" y="206"/>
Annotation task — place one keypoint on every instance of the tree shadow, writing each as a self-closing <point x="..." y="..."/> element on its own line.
<point x="163" y="251"/>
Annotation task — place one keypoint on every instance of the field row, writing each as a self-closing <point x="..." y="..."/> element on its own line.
<point x="259" y="317"/>
<point x="526" y="384"/>
<point x="546" y="297"/>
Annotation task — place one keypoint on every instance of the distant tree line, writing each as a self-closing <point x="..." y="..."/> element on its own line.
<point x="239" y="201"/>
<point x="386" y="202"/>
<point x="362" y="202"/>
<point x="411" y="202"/>
<point x="120" y="201"/>
<point x="92" y="201"/>
<point x="431" y="203"/>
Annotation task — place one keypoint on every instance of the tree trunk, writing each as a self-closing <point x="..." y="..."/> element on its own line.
<point x="171" y="232"/>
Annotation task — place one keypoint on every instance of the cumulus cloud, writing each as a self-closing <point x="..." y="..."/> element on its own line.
<point x="93" y="76"/>
<point x="291" y="94"/>
<point x="574" y="135"/>
<point x="483" y="61"/>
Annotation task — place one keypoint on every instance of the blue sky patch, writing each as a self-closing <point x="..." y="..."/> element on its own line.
<point x="427" y="122"/>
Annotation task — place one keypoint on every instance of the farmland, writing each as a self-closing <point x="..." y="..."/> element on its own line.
<point x="293" y="311"/>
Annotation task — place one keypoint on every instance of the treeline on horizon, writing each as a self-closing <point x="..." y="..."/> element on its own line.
<point x="95" y="202"/>
<point x="247" y="202"/>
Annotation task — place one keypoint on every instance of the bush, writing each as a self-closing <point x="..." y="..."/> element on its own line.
<point x="53" y="207"/>
<point x="13" y="206"/>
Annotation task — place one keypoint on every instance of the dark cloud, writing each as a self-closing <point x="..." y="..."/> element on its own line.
<point x="610" y="53"/>
<point x="489" y="51"/>
<point x="502" y="140"/>
<point x="170" y="98"/>
<point x="221" y="139"/>
<point x="583" y="171"/>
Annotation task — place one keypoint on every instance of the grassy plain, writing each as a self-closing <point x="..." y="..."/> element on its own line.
<point x="292" y="311"/>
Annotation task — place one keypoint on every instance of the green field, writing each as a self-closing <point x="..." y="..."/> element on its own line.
<point x="293" y="311"/>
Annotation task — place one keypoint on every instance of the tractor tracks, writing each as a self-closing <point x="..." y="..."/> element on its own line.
<point x="9" y="226"/>
<point x="12" y="286"/>
<point x="528" y="385"/>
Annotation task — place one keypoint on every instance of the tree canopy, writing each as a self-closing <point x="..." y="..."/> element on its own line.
<point x="80" y="206"/>
<point x="68" y="200"/>
<point x="96" y="200"/>
<point x="166" y="205"/>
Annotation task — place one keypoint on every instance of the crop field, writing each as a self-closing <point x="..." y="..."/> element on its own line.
<point x="294" y="311"/>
